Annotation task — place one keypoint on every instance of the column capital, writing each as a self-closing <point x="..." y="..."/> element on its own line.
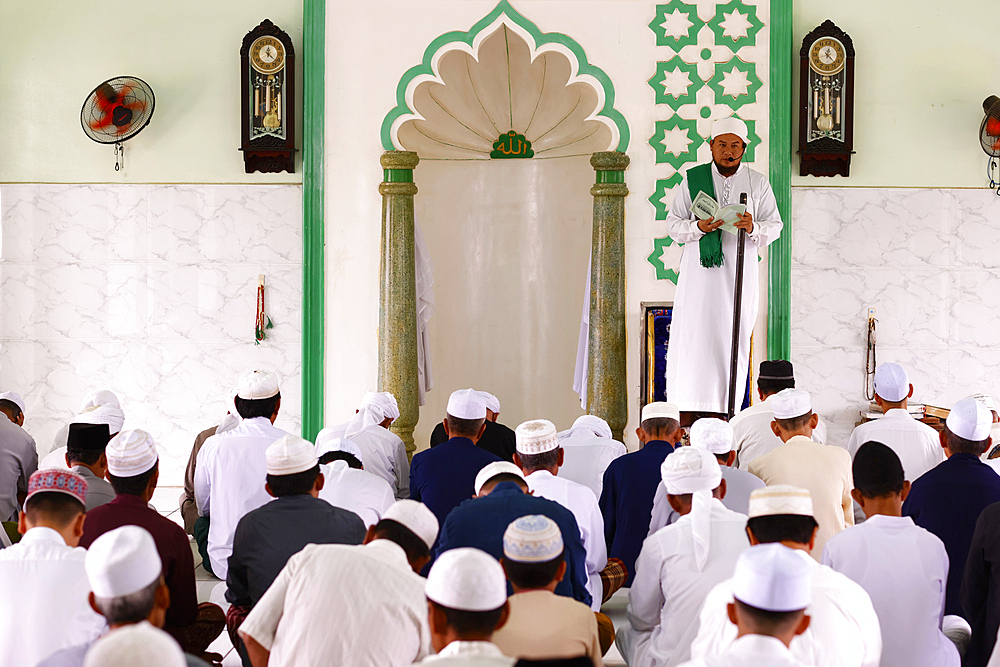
<point x="399" y="160"/>
<point x="609" y="190"/>
<point x="609" y="161"/>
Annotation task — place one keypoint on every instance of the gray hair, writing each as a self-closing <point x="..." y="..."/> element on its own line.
<point x="131" y="608"/>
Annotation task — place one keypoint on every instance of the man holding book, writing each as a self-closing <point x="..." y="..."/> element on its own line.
<point x="706" y="215"/>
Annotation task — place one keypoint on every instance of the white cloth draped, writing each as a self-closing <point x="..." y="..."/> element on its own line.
<point x="583" y="346"/>
<point x="424" y="271"/>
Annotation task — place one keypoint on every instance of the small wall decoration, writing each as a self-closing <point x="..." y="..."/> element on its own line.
<point x="826" y="102"/>
<point x="268" y="71"/>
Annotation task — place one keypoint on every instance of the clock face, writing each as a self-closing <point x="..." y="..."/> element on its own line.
<point x="267" y="55"/>
<point x="827" y="56"/>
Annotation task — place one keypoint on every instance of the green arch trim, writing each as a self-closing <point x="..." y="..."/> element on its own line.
<point x="541" y="39"/>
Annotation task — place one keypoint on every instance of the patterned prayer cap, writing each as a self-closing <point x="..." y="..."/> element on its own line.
<point x="58" y="481"/>
<point x="532" y="539"/>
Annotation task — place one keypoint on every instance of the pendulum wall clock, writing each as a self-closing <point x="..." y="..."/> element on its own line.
<point x="826" y="102"/>
<point x="267" y="67"/>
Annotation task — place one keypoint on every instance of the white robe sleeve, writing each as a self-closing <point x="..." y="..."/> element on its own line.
<point x="645" y="598"/>
<point x="766" y="220"/>
<point x="202" y="482"/>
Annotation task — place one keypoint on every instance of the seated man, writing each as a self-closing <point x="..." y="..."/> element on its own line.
<point x="771" y="591"/>
<point x="42" y="577"/>
<point x="12" y="407"/>
<point x="137" y="645"/>
<point x="899" y="564"/>
<point x="348" y="484"/>
<point x="383" y="450"/>
<point x="134" y="469"/>
<point x="630" y="484"/>
<point x="85" y="456"/>
<point x="844" y="631"/>
<point x="189" y="508"/>
<point x="359" y="591"/>
<point x="18" y="459"/>
<point x="466" y="603"/>
<point x="542" y="625"/>
<point x="679" y="564"/>
<point x="443" y="477"/>
<point x="589" y="451"/>
<point x="497" y="439"/>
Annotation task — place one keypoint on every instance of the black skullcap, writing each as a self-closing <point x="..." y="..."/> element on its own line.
<point x="777" y="369"/>
<point x="877" y="470"/>
<point x="88" y="437"/>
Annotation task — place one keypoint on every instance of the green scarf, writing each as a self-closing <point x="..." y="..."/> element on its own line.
<point x="700" y="180"/>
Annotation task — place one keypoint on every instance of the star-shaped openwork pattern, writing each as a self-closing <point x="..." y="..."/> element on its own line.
<point x="675" y="81"/>
<point x="675" y="141"/>
<point x="736" y="24"/>
<point x="656" y="259"/>
<point x="751" y="151"/>
<point x="663" y="186"/>
<point x="735" y="83"/>
<point x="676" y="24"/>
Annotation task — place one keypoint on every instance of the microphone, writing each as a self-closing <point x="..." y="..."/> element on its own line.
<point x="743" y="198"/>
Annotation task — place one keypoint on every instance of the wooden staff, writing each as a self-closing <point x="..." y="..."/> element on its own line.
<point x="737" y="311"/>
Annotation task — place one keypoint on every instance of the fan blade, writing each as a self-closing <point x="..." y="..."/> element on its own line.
<point x="106" y="95"/>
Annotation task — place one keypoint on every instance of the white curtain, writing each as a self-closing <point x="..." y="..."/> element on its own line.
<point x="583" y="346"/>
<point x="424" y="270"/>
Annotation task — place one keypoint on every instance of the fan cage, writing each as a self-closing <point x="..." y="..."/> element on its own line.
<point x="138" y="98"/>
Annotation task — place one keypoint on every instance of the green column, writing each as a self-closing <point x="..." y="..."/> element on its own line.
<point x="606" y="366"/>
<point x="397" y="318"/>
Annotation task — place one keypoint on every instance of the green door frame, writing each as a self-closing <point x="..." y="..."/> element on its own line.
<point x="779" y="286"/>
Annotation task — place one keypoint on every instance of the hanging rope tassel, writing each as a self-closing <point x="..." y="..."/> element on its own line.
<point x="263" y="321"/>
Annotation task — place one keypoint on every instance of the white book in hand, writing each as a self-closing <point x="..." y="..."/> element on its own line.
<point x="705" y="207"/>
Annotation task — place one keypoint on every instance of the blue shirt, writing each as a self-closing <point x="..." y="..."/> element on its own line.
<point x="481" y="522"/>
<point x="444" y="476"/>
<point x="947" y="500"/>
<point x="627" y="501"/>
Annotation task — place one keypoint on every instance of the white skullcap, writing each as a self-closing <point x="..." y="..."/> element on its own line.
<point x="587" y="425"/>
<point x="780" y="499"/>
<point x="122" y="561"/>
<point x="375" y="408"/>
<point x="731" y="125"/>
<point x="14" y="398"/>
<point x="536" y="437"/>
<point x="417" y="517"/>
<point x="492" y="402"/>
<point x="532" y="539"/>
<point x="98" y="398"/>
<point x="328" y="441"/>
<point x="773" y="577"/>
<point x="985" y="399"/>
<point x="136" y="645"/>
<point x="289" y="455"/>
<point x="467" y="579"/>
<point x="131" y="453"/>
<point x="713" y="435"/>
<point x="695" y="471"/>
<point x="257" y="384"/>
<point x="466" y="404"/>
<point x="660" y="410"/>
<point x="970" y="419"/>
<point x="891" y="383"/>
<point x="791" y="403"/>
<point x="103" y="414"/>
<point x="491" y="470"/>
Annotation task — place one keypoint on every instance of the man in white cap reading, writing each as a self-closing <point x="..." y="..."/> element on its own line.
<point x="350" y="605"/>
<point x="948" y="499"/>
<point x="497" y="438"/>
<point x="231" y="466"/>
<point x="771" y="591"/>
<point x="134" y="470"/>
<point x="701" y="333"/>
<point x="348" y="484"/>
<point x="903" y="567"/>
<point x="443" y="476"/>
<point x="42" y="577"/>
<point x="681" y="563"/>
<point x="18" y="456"/>
<point x="824" y="470"/>
<point x="844" y="630"/>
<point x="127" y="588"/>
<point x="752" y="434"/>
<point x="542" y="625"/>
<point x="630" y="484"/>
<point x="384" y="452"/>
<point x="466" y="603"/>
<point x="917" y="444"/>
<point x="98" y="407"/>
<point x="589" y="450"/>
<point x="539" y="456"/>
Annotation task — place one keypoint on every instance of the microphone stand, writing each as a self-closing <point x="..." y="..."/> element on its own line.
<point x="737" y="312"/>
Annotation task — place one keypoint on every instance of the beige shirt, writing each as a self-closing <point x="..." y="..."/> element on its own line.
<point x="543" y="625"/>
<point x="822" y="469"/>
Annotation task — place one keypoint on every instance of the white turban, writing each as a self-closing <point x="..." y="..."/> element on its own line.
<point x="587" y="425"/>
<point x="376" y="407"/>
<point x="98" y="398"/>
<point x="327" y="441"/>
<point x="689" y="470"/>
<point x="713" y="435"/>
<point x="492" y="402"/>
<point x="103" y="414"/>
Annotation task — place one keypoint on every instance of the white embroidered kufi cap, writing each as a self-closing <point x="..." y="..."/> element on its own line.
<point x="417" y="517"/>
<point x="131" y="453"/>
<point x="660" y="410"/>
<point x="14" y="398"/>
<point x="536" y="437"/>
<point x="891" y="382"/>
<point x="491" y="470"/>
<point x="970" y="419"/>
<point x="467" y="579"/>
<point x="780" y="499"/>
<point x="289" y="455"/>
<point x="257" y="384"/>
<point x="136" y="645"/>
<point x="492" y="402"/>
<point x="532" y="539"/>
<point x="713" y="435"/>
<point x="731" y="125"/>
<point x="773" y="577"/>
<point x="122" y="561"/>
<point x="791" y="403"/>
<point x="466" y="404"/>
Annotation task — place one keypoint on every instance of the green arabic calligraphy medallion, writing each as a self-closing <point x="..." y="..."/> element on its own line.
<point x="510" y="146"/>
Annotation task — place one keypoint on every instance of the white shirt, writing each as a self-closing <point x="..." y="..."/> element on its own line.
<point x="358" y="491"/>
<point x="739" y="486"/>
<point x="383" y="453"/>
<point x="668" y="589"/>
<point x="582" y="502"/>
<point x="917" y="444"/>
<point x="751" y="651"/>
<point x="45" y="608"/>
<point x="229" y="480"/>
<point x="844" y="630"/>
<point x="334" y="604"/>
<point x="752" y="434"/>
<point x="904" y="569"/>
<point x="587" y="457"/>
<point x="469" y="654"/>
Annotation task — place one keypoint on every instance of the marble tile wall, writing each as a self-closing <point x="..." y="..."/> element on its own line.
<point x="927" y="260"/>
<point x="150" y="291"/>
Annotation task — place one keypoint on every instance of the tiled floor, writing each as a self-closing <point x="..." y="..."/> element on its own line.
<point x="615" y="610"/>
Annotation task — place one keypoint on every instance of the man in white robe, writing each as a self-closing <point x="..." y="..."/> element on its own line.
<point x="384" y="452"/>
<point x="589" y="450"/>
<point x="348" y="485"/>
<point x="698" y="357"/>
